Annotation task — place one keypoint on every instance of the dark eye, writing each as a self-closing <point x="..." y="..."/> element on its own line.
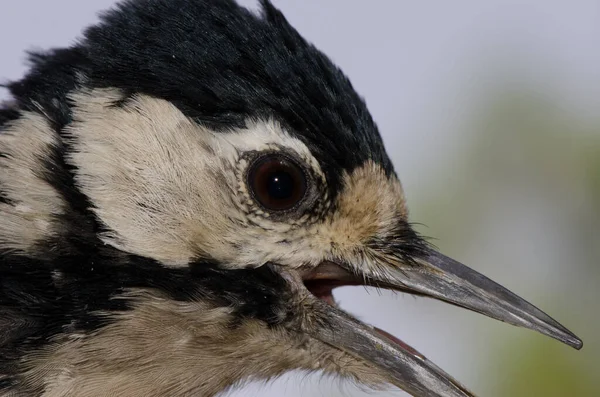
<point x="277" y="182"/>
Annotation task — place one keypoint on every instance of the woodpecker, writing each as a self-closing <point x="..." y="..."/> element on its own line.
<point x="180" y="192"/>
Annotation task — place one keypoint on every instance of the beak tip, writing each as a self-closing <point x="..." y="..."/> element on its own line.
<point x="567" y="337"/>
<point x="576" y="343"/>
<point x="570" y="339"/>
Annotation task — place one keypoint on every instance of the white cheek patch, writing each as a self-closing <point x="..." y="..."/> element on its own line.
<point x="29" y="214"/>
<point x="165" y="187"/>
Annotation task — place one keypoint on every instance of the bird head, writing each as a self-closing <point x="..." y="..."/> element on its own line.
<point x="181" y="192"/>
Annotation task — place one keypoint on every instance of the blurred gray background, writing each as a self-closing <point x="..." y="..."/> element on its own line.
<point x="491" y="113"/>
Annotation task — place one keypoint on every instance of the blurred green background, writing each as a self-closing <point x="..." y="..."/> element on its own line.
<point x="529" y="160"/>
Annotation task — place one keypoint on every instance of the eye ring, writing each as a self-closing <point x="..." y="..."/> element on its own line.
<point x="277" y="182"/>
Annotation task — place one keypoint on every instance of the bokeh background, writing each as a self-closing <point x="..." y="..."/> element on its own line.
<point x="491" y="113"/>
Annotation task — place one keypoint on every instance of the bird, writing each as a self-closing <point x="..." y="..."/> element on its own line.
<point x="181" y="190"/>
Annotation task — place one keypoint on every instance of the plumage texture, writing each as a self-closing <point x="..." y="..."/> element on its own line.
<point x="219" y="64"/>
<point x="124" y="203"/>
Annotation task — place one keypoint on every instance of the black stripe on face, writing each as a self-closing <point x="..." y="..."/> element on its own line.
<point x="40" y="300"/>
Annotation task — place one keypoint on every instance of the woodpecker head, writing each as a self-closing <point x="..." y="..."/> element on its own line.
<point x="180" y="193"/>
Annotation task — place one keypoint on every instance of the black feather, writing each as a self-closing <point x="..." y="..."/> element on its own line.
<point x="220" y="64"/>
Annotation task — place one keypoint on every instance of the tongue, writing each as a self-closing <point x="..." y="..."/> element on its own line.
<point x="397" y="341"/>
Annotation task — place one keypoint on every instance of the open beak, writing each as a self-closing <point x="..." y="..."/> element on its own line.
<point x="433" y="275"/>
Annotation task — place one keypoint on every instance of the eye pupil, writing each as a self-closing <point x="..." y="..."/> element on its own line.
<point x="280" y="185"/>
<point x="277" y="182"/>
